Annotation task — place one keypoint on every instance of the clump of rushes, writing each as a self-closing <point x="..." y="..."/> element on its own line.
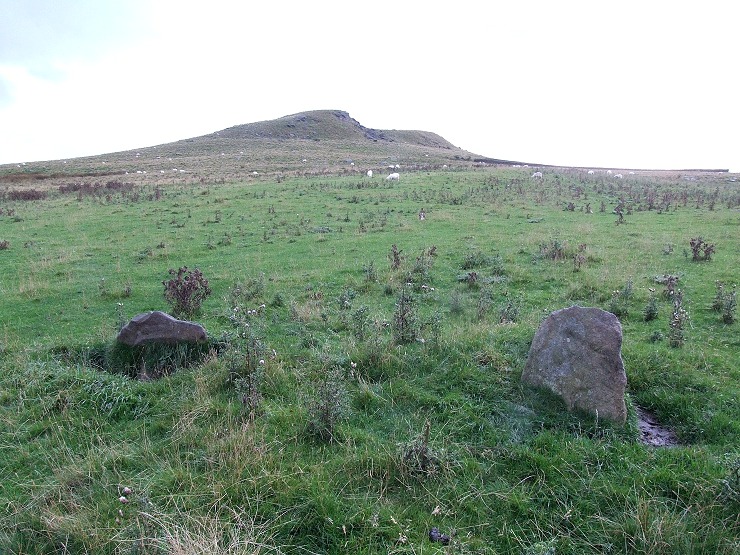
<point x="418" y="458"/>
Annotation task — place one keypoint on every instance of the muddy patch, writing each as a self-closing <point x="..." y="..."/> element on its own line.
<point x="654" y="433"/>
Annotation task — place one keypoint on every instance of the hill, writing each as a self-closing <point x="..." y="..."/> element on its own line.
<point x="314" y="142"/>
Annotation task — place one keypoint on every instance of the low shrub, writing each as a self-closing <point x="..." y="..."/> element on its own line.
<point x="26" y="194"/>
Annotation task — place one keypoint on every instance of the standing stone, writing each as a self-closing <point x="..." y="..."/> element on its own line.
<point x="576" y="353"/>
<point x="158" y="327"/>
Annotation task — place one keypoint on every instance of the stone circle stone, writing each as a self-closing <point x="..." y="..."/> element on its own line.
<point x="158" y="327"/>
<point x="576" y="354"/>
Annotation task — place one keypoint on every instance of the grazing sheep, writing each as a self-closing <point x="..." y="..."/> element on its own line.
<point x="392" y="177"/>
<point x="590" y="172"/>
<point x="618" y="176"/>
<point x="537" y="175"/>
<point x="608" y="172"/>
<point x="369" y="173"/>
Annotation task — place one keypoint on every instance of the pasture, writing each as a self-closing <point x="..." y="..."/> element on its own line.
<point x="362" y="385"/>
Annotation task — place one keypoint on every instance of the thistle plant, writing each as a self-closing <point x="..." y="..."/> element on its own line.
<point x="671" y="284"/>
<point x="719" y="296"/>
<point x="509" y="312"/>
<point x="701" y="250"/>
<point x="578" y="261"/>
<point x="485" y="301"/>
<point x="619" y="303"/>
<point x="395" y="257"/>
<point x="246" y="364"/>
<point x="729" y="306"/>
<point x="328" y="406"/>
<point x="679" y="318"/>
<point x="185" y="291"/>
<point x="360" y="322"/>
<point x="650" y="312"/>
<point x="725" y="302"/>
<point x="405" y="321"/>
<point x="371" y="275"/>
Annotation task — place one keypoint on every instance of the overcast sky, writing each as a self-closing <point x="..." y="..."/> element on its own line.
<point x="629" y="84"/>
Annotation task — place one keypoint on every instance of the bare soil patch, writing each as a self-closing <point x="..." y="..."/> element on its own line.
<point x="653" y="432"/>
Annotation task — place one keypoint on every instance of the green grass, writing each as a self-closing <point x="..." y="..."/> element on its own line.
<point x="509" y="469"/>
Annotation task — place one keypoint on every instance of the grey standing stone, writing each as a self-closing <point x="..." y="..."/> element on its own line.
<point x="576" y="353"/>
<point x="158" y="327"/>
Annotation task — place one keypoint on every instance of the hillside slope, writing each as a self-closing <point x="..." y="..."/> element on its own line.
<point x="314" y="142"/>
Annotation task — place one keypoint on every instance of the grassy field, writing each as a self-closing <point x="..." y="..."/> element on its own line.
<point x="362" y="385"/>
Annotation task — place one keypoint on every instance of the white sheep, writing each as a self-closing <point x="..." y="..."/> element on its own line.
<point x="608" y="172"/>
<point x="590" y="172"/>
<point x="393" y="177"/>
<point x="369" y="173"/>
<point x="618" y="176"/>
<point x="537" y="175"/>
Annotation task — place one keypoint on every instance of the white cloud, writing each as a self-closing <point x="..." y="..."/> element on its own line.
<point x="630" y="84"/>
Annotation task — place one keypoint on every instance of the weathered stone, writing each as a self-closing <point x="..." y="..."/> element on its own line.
<point x="158" y="327"/>
<point x="576" y="353"/>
